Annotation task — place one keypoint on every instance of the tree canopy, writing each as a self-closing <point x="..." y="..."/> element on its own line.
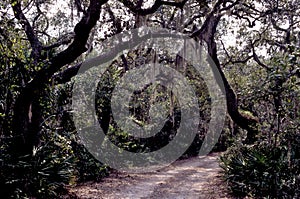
<point x="254" y="45"/>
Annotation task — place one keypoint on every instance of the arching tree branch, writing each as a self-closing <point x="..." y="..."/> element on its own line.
<point x="28" y="99"/>
<point x="76" y="48"/>
<point x="207" y="34"/>
<point x="138" y="10"/>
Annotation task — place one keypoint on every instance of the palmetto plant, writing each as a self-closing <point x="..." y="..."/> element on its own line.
<point x="261" y="171"/>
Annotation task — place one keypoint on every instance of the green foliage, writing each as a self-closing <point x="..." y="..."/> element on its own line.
<point x="87" y="167"/>
<point x="57" y="161"/>
<point x="270" y="168"/>
<point x="41" y="174"/>
<point x="263" y="170"/>
<point x="268" y="89"/>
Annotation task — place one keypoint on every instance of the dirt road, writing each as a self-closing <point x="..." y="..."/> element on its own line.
<point x="196" y="177"/>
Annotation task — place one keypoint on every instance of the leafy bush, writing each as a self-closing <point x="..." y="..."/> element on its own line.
<point x="41" y="174"/>
<point x="87" y="167"/>
<point x="262" y="171"/>
<point x="45" y="173"/>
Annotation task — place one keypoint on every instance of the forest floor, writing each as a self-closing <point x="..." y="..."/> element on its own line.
<point x="197" y="177"/>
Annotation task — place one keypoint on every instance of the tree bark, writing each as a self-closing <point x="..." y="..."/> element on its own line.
<point x="27" y="118"/>
<point x="207" y="34"/>
<point x="26" y="122"/>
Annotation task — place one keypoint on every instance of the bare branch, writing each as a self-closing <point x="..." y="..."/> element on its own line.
<point x="66" y="75"/>
<point x="257" y="60"/>
<point x="58" y="43"/>
<point x="276" y="26"/>
<point x="190" y="21"/>
<point x="34" y="42"/>
<point x="40" y="13"/>
<point x="138" y="10"/>
<point x="116" y="22"/>
<point x="230" y="6"/>
<point x="231" y="61"/>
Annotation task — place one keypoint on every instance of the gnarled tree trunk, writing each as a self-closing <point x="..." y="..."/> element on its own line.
<point x="207" y="34"/>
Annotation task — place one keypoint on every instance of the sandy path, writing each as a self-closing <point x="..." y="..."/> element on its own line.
<point x="196" y="177"/>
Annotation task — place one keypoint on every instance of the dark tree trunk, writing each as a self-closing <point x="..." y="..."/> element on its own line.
<point x="247" y="122"/>
<point x="27" y="120"/>
<point x="27" y="113"/>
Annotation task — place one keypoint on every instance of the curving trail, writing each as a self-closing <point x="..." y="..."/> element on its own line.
<point x="196" y="177"/>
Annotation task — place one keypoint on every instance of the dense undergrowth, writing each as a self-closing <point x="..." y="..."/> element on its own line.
<point x="263" y="170"/>
<point x="45" y="173"/>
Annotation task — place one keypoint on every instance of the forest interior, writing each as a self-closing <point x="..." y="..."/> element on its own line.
<point x="149" y="99"/>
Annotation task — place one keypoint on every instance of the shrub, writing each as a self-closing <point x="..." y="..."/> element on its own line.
<point x="262" y="171"/>
<point x="87" y="167"/>
<point x="42" y="174"/>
